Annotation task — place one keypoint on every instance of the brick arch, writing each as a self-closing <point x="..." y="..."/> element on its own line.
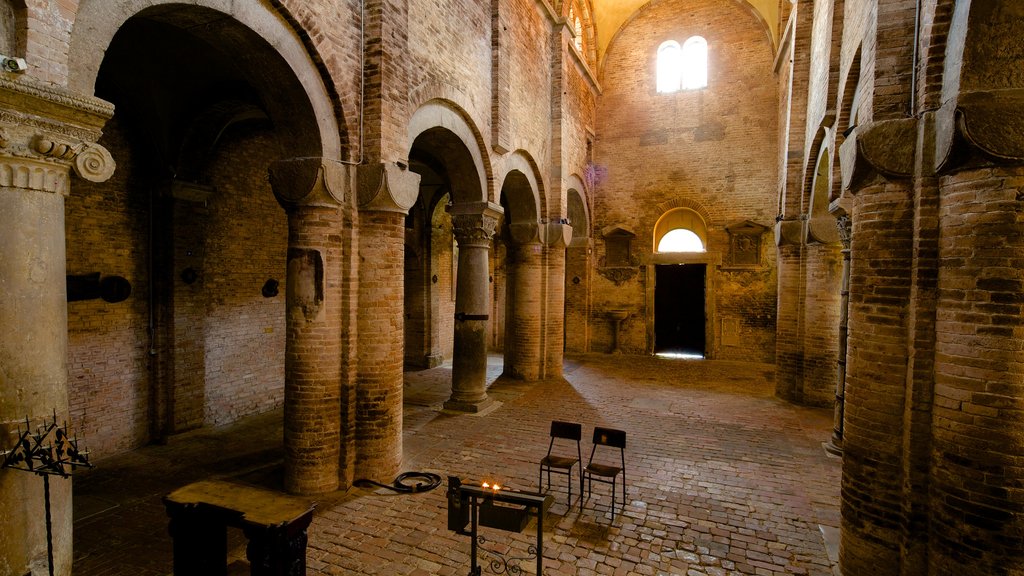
<point x="578" y="209"/>
<point x="96" y="23"/>
<point x="681" y="214"/>
<point x="447" y="116"/>
<point x="849" y="85"/>
<point x="742" y="5"/>
<point x="935" y="55"/>
<point x="688" y="204"/>
<point x="525" y="204"/>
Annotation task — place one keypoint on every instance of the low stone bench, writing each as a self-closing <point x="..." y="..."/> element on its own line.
<point x="274" y="523"/>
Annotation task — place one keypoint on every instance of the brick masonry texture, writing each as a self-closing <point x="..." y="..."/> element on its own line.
<point x="208" y="94"/>
<point x="708" y="147"/>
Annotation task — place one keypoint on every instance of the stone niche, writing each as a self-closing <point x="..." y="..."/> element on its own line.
<point x="745" y="244"/>
<point x="618" y="263"/>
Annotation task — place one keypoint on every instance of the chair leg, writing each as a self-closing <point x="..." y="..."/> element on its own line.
<point x="613" y="497"/>
<point x="568" y="484"/>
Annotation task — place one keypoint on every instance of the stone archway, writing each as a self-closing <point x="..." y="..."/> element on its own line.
<point x="444" y="147"/>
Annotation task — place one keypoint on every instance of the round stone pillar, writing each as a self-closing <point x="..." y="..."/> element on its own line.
<point x="312" y="191"/>
<point x="474" y="225"/>
<point x="386" y="193"/>
<point x="523" y="320"/>
<point x="38" y="150"/>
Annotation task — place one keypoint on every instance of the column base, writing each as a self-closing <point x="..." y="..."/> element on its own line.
<point x="471" y="407"/>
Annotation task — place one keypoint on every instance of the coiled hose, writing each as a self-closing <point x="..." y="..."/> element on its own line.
<point x="426" y="481"/>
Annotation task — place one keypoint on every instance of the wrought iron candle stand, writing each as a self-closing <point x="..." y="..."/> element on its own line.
<point x="503" y="509"/>
<point x="48" y="451"/>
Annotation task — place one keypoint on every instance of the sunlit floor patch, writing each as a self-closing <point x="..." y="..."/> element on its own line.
<point x="679" y="354"/>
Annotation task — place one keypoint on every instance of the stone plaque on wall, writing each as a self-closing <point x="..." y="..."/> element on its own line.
<point x="745" y="243"/>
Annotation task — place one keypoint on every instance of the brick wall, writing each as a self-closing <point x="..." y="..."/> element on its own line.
<point x="708" y="147"/>
<point x="108" y="363"/>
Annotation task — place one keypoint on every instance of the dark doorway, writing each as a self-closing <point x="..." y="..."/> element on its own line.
<point x="679" y="309"/>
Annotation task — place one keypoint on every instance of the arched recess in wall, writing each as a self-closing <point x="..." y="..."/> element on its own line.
<point x="578" y="212"/>
<point x="439" y="129"/>
<point x="848" y="103"/>
<point x="522" y="192"/>
<point x="12" y="27"/>
<point x="680" y="230"/>
<point x="821" y="225"/>
<point x="255" y="41"/>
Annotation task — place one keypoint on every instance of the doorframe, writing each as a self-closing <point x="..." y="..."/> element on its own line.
<point x="713" y="261"/>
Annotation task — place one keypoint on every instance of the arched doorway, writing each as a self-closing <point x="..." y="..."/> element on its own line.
<point x="680" y="287"/>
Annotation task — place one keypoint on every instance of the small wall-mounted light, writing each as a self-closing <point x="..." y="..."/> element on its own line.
<point x="433" y="279"/>
<point x="11" y="64"/>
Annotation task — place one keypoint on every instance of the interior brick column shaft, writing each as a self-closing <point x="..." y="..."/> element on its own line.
<point x="312" y="404"/>
<point x="523" y="343"/>
<point x="554" y="301"/>
<point x="977" y="506"/>
<point x="381" y="341"/>
<point x="880" y="278"/>
<point x="474" y="226"/>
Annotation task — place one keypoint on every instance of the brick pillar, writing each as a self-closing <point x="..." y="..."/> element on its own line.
<point x="880" y="278"/>
<point x="789" y="349"/>
<point x="523" y="320"/>
<point x="37" y="155"/>
<point x="556" y="239"/>
<point x="474" y="225"/>
<point x="386" y="192"/>
<point x="577" y="296"/>
<point x="313" y="190"/>
<point x="977" y="506"/>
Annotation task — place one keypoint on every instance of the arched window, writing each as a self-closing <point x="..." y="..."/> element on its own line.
<point x="681" y="240"/>
<point x="683" y="67"/>
<point x="576" y="22"/>
<point x="695" y="63"/>
<point x="670" y="66"/>
<point x="680" y="230"/>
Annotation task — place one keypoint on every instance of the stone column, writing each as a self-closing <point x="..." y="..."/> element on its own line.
<point x="523" y="319"/>
<point x="45" y="133"/>
<point x="313" y="192"/>
<point x="386" y="193"/>
<point x="556" y="237"/>
<point x="474" y="225"/>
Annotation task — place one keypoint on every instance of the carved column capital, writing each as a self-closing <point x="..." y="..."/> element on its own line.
<point x="387" y="187"/>
<point x="790" y="232"/>
<point x="883" y="149"/>
<point x="45" y="132"/>
<point x="473" y="223"/>
<point x="311" y="181"/>
<point x="983" y="126"/>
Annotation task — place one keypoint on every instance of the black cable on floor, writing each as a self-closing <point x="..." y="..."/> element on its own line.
<point x="426" y="481"/>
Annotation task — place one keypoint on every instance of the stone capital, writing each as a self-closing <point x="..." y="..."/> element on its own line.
<point x="984" y="126"/>
<point x="789" y="232"/>
<point x="45" y="132"/>
<point x="883" y="149"/>
<point x="473" y="223"/>
<point x="311" y="181"/>
<point x="557" y="234"/>
<point x="387" y="187"/>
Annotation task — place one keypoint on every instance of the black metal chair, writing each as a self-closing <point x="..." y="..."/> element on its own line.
<point x="609" y="438"/>
<point x="562" y="464"/>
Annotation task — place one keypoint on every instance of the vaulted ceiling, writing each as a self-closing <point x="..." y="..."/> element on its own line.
<point x="611" y="15"/>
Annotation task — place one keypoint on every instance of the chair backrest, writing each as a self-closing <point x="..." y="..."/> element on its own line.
<point x="568" y="430"/>
<point x="609" y="437"/>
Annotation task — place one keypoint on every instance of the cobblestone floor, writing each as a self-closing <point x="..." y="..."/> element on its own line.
<point x="722" y="479"/>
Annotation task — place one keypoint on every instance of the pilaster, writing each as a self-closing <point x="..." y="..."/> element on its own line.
<point x="523" y="322"/>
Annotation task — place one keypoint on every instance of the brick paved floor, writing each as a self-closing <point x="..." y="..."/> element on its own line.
<point x="723" y="479"/>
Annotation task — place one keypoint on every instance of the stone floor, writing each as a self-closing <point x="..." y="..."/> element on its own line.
<point x="722" y="479"/>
